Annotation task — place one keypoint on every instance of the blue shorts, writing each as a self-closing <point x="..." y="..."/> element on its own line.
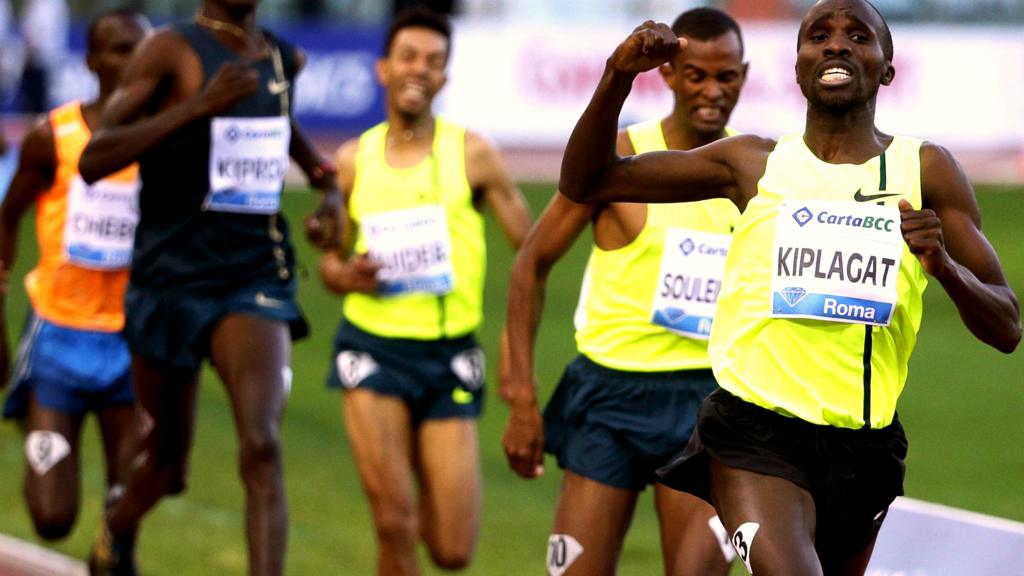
<point x="69" y="370"/>
<point x="617" y="427"/>
<point x="172" y="328"/>
<point x="436" y="378"/>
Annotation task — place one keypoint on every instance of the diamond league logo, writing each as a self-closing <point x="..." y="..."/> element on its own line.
<point x="793" y="294"/>
<point x="803" y="216"/>
<point x="232" y="133"/>
<point x="687" y="246"/>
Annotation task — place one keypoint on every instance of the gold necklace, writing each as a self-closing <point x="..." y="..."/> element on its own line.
<point x="221" y="26"/>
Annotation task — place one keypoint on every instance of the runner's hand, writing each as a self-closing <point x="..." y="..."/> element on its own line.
<point x="323" y="227"/>
<point x="232" y="82"/>
<point x="357" y="274"/>
<point x="650" y="45"/>
<point x="524" y="440"/>
<point x="922" y="231"/>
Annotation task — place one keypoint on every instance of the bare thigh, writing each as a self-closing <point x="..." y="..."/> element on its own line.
<point x="591" y="521"/>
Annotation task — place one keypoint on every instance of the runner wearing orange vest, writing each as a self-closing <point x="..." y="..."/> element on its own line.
<point x="72" y="358"/>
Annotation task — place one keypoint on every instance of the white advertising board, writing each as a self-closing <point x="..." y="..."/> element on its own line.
<point x="526" y="84"/>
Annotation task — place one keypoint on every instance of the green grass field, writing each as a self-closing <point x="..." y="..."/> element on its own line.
<point x="962" y="410"/>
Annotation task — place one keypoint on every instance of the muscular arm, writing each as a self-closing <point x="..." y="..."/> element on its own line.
<point x="36" y="167"/>
<point x="552" y="236"/>
<point x="320" y="173"/>
<point x="946" y="236"/>
<point x="161" y="91"/>
<point x="486" y="172"/>
<point x="592" y="171"/>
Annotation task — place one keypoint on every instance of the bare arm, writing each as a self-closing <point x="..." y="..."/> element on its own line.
<point x="551" y="237"/>
<point x="592" y="171"/>
<point x="486" y="172"/>
<point x="946" y="236"/>
<point x="36" y="168"/>
<point x="161" y="91"/>
<point x="340" y="271"/>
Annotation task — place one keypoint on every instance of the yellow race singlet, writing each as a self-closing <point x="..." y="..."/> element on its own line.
<point x="420" y="223"/>
<point x="822" y="299"/>
<point x="647" y="307"/>
<point x="85" y="236"/>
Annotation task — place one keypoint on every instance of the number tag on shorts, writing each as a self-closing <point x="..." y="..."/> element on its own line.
<point x="836" y="261"/>
<point x="692" y="266"/>
<point x="248" y="162"/>
<point x="100" y="225"/>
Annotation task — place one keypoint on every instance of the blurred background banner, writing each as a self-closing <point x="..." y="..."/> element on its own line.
<point x="522" y="70"/>
<point x="527" y="83"/>
<point x="337" y="91"/>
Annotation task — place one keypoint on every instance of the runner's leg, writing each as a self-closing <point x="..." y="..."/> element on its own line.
<point x="595" y="517"/>
<point x="52" y="473"/>
<point x="689" y="546"/>
<point x="251" y="355"/>
<point x="448" y="462"/>
<point x="380" y="432"/>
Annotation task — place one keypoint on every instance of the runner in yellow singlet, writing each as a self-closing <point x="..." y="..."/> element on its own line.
<point x="626" y="404"/>
<point x="72" y="358"/>
<point x="405" y="355"/>
<point x="801" y="451"/>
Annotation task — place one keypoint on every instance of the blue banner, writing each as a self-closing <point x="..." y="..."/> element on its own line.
<point x="336" y="92"/>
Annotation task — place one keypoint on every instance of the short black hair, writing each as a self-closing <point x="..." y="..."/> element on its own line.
<point x="122" y="12"/>
<point x="885" y="35"/>
<point x="418" y="17"/>
<point x="706" y="24"/>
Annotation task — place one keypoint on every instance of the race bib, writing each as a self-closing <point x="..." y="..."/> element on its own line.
<point x="248" y="162"/>
<point x="100" y="226"/>
<point x="836" y="261"/>
<point x="414" y="247"/>
<point x="692" y="266"/>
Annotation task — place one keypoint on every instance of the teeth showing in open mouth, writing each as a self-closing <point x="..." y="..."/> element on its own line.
<point x="835" y="75"/>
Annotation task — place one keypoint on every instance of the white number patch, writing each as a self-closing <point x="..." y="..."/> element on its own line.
<point x="469" y="366"/>
<point x="743" y="540"/>
<point x="354" y="367"/>
<point x="44" y="449"/>
<point x="563" y="550"/>
<point x="722" y="537"/>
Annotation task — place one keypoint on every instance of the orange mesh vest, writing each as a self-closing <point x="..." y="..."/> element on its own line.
<point x="62" y="289"/>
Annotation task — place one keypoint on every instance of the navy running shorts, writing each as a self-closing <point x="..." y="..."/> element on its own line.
<point x="172" y="328"/>
<point x="435" y="378"/>
<point x="617" y="427"/>
<point x="69" y="370"/>
<point x="852" y="475"/>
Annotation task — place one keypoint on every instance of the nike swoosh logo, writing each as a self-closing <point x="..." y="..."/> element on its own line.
<point x="870" y="197"/>
<point x="268" y="302"/>
<point x="275" y="87"/>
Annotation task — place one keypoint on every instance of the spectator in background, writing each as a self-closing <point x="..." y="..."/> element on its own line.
<point x="44" y="28"/>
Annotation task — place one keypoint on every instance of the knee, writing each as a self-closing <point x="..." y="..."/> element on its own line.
<point x="53" y="524"/>
<point x="260" y="455"/>
<point x="394" y="521"/>
<point x="174" y="479"/>
<point x="451" y="556"/>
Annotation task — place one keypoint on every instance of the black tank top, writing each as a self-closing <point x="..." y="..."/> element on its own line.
<point x="178" y="244"/>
